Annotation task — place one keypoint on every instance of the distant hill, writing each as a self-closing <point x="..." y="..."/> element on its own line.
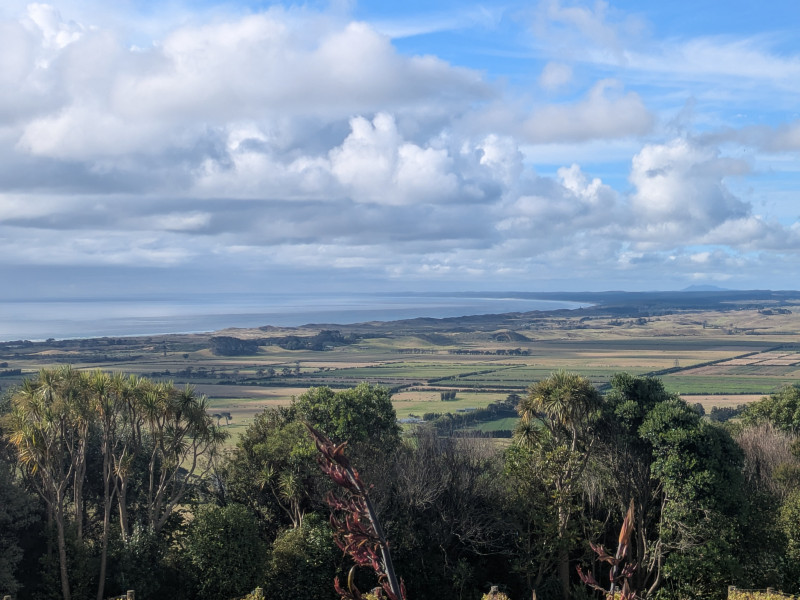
<point x="705" y="288"/>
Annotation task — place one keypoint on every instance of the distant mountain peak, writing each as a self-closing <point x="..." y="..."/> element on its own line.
<point x="705" y="288"/>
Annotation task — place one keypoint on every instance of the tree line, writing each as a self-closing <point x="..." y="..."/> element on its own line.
<point x="111" y="482"/>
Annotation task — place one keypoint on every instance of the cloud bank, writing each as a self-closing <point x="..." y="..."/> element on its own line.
<point x="258" y="142"/>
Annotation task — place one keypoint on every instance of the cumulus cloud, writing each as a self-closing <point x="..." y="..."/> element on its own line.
<point x="272" y="65"/>
<point x="682" y="198"/>
<point x="291" y="138"/>
<point x="680" y="190"/>
<point x="555" y="219"/>
<point x="376" y="166"/>
<point x="605" y="112"/>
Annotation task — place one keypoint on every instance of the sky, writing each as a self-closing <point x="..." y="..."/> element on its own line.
<point x="179" y="147"/>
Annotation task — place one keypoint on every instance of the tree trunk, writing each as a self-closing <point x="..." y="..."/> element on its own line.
<point x="108" y="499"/>
<point x="62" y="553"/>
<point x="101" y="584"/>
<point x="563" y="573"/>
<point x="122" y="499"/>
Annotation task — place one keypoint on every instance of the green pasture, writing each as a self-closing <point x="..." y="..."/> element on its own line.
<point x="790" y="371"/>
<point x="727" y="384"/>
<point x="521" y="376"/>
<point x="419" y="403"/>
<point x="415" y="371"/>
<point x="497" y="425"/>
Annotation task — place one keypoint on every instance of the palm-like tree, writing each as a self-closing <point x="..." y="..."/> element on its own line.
<point x="287" y="487"/>
<point x="567" y="404"/>
<point x="557" y="418"/>
<point x="48" y="428"/>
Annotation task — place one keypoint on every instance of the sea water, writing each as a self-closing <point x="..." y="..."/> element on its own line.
<point x="39" y="319"/>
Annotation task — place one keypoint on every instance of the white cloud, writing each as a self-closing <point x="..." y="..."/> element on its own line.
<point x="375" y="165"/>
<point x="555" y="75"/>
<point x="501" y="156"/>
<point x="603" y="113"/>
<point x="736" y="59"/>
<point x="259" y="67"/>
<point x="293" y="138"/>
<point x="784" y="137"/>
<point x="47" y="21"/>
<point x="680" y="191"/>
<point x="576" y="31"/>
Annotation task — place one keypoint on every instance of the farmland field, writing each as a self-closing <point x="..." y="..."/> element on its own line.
<point x="723" y="384"/>
<point x="725" y="356"/>
<point x="509" y="423"/>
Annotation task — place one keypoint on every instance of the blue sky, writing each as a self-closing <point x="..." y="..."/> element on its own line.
<point x="554" y="145"/>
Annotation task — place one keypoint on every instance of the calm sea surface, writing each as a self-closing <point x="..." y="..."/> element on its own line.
<point x="38" y="319"/>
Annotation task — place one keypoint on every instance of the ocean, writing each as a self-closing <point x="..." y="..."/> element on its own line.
<point x="38" y="319"/>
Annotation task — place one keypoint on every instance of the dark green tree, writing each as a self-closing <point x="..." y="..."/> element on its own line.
<point x="530" y="512"/>
<point x="308" y="549"/>
<point x="273" y="470"/>
<point x="782" y="409"/>
<point x="684" y="476"/>
<point x="225" y="551"/>
<point x="559" y="416"/>
<point x="441" y="502"/>
<point x="699" y="470"/>
<point x="48" y="428"/>
<point x="363" y="416"/>
<point x="628" y="459"/>
<point x="17" y="512"/>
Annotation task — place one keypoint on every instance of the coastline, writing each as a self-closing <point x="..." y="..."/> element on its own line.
<point x="39" y="320"/>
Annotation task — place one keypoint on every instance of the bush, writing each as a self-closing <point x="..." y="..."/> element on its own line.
<point x="308" y="550"/>
<point x="224" y="548"/>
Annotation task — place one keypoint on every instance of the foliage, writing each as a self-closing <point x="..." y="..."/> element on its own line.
<point x="308" y="549"/>
<point x="132" y="459"/>
<point x="568" y="407"/>
<point x="721" y="414"/>
<point x="450" y="423"/>
<point x="685" y="477"/>
<point x="530" y="513"/>
<point x="273" y="470"/>
<point x="442" y="502"/>
<point x="225" y="551"/>
<point x="359" y="533"/>
<point x="223" y="345"/>
<point x="324" y="340"/>
<point x="147" y="441"/>
<point x="363" y="416"/>
<point x="622" y="569"/>
<point x="17" y="512"/>
<point x="782" y="409"/>
<point x="699" y="467"/>
<point x="141" y="563"/>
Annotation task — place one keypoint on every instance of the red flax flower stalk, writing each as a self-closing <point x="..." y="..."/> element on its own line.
<point x="359" y="534"/>
<point x="620" y="575"/>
